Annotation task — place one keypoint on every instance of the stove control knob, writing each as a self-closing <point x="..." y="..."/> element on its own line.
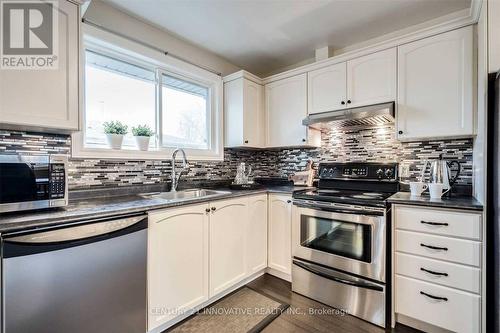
<point x="380" y="173"/>
<point x="388" y="173"/>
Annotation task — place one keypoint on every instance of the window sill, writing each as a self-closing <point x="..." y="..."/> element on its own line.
<point x="154" y="154"/>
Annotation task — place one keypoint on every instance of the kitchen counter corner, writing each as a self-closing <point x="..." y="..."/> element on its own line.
<point x="459" y="202"/>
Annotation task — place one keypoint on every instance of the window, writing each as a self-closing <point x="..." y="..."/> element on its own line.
<point x="184" y="114"/>
<point x="135" y="85"/>
<point x="116" y="90"/>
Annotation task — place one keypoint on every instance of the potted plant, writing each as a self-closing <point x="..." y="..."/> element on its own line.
<point x="115" y="131"/>
<point x="142" y="134"/>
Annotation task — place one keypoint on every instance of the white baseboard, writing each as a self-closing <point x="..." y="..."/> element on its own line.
<point x="420" y="325"/>
<point x="213" y="299"/>
<point x="279" y="274"/>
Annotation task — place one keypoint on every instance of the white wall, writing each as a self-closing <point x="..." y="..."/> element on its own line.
<point x="494" y="35"/>
<point x="114" y="19"/>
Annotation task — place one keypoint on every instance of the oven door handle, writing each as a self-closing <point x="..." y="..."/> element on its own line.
<point x="332" y="209"/>
<point x="330" y="276"/>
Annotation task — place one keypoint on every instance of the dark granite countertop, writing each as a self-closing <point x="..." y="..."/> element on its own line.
<point x="81" y="210"/>
<point x="456" y="202"/>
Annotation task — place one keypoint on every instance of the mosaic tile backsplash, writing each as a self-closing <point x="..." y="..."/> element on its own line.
<point x="338" y="145"/>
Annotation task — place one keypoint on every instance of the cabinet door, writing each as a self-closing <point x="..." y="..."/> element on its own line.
<point x="326" y="89"/>
<point x="177" y="261"/>
<point x="228" y="222"/>
<point x="244" y="114"/>
<point x="233" y="113"/>
<point x="372" y="79"/>
<point x="253" y="129"/>
<point x="280" y="233"/>
<point x="257" y="234"/>
<point x="46" y="98"/>
<point x="286" y="107"/>
<point x="435" y="86"/>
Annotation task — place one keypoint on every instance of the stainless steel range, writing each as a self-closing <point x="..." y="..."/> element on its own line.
<point x="340" y="238"/>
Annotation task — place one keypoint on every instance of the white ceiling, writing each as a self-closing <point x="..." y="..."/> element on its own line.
<point x="262" y="36"/>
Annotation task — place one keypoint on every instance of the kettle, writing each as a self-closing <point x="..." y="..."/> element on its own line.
<point x="440" y="172"/>
<point x="242" y="174"/>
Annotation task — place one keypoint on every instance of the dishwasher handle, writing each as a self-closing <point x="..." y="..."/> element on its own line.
<point x="32" y="242"/>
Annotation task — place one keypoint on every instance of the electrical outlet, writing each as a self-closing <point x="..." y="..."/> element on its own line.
<point x="404" y="170"/>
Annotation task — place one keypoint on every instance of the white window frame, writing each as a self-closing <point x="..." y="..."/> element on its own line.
<point x="123" y="49"/>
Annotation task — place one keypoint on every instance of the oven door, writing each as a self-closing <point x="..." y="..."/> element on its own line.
<point x="350" y="242"/>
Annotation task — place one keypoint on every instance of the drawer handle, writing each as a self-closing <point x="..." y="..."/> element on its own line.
<point x="443" y="224"/>
<point x="432" y="272"/>
<point x="434" y="247"/>
<point x="434" y="297"/>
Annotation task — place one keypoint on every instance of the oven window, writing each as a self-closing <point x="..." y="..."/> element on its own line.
<point x="346" y="239"/>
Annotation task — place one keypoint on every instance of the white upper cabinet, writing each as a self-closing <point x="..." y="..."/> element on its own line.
<point x="326" y="88"/>
<point x="244" y="113"/>
<point x="286" y="107"/>
<point x="372" y="79"/>
<point x="228" y="223"/>
<point x="435" y="86"/>
<point x="46" y="99"/>
<point x="257" y="234"/>
<point x="177" y="261"/>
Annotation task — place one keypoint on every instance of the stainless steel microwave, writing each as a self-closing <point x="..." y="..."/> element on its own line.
<point x="33" y="182"/>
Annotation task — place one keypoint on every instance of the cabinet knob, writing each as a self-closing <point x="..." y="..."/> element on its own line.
<point x="246" y="141"/>
<point x="289" y="201"/>
<point x="343" y="103"/>
<point x="213" y="209"/>
<point x="207" y="210"/>
<point x="400" y="132"/>
<point x="348" y="101"/>
<point x="303" y="140"/>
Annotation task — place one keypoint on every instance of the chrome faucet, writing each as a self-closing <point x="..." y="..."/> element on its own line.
<point x="175" y="176"/>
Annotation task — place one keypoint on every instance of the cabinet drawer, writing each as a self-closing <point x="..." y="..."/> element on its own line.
<point x="458" y="311"/>
<point x="440" y="222"/>
<point x="437" y="271"/>
<point x="438" y="247"/>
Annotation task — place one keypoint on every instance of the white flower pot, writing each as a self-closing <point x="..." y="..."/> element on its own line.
<point x="142" y="142"/>
<point x="115" y="140"/>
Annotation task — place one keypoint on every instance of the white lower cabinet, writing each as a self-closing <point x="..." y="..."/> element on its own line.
<point x="280" y="233"/>
<point x="257" y="234"/>
<point x="228" y="222"/>
<point x="439" y="222"/>
<point x="444" y="307"/>
<point x="437" y="271"/>
<point x="456" y="250"/>
<point x="177" y="262"/>
<point x="438" y="274"/>
<point x="200" y="251"/>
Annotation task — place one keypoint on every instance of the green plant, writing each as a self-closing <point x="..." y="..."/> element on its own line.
<point x="115" y="127"/>
<point x="142" y="130"/>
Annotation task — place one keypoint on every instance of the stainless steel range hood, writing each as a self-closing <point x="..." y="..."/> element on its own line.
<point x="376" y="114"/>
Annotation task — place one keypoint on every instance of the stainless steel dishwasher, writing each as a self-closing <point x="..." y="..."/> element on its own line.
<point x="78" y="278"/>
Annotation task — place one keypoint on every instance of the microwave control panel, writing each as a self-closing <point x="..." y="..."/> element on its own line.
<point x="57" y="181"/>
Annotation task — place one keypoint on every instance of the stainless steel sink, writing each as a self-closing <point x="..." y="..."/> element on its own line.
<point x="184" y="195"/>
